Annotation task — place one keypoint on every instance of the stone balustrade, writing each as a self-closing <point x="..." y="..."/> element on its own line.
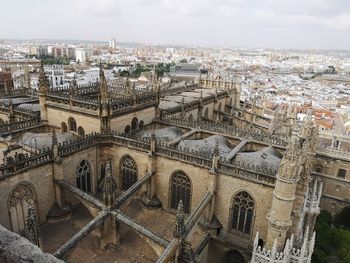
<point x="22" y="162"/>
<point x="8" y="128"/>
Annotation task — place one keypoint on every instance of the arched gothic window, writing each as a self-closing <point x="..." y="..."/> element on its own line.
<point x="127" y="129"/>
<point x="72" y="124"/>
<point x="20" y="199"/>
<point x="83" y="176"/>
<point x="81" y="131"/>
<point x="141" y="125"/>
<point x="242" y="212"/>
<point x="128" y="172"/>
<point x="190" y="118"/>
<point x="64" y="127"/>
<point x="180" y="189"/>
<point x="134" y="123"/>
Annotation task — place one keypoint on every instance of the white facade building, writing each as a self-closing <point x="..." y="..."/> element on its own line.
<point x="55" y="75"/>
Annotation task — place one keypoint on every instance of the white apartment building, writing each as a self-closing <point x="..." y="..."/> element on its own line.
<point x="55" y="74"/>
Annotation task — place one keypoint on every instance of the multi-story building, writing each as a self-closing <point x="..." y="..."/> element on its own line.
<point x="55" y="74"/>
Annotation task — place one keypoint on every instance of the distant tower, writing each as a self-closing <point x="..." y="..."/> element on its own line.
<point x="113" y="43"/>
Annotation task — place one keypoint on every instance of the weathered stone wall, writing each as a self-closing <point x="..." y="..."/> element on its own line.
<point x="70" y="165"/>
<point x="140" y="158"/>
<point x="227" y="188"/>
<point x="41" y="178"/>
<point x="56" y="116"/>
<point x="119" y="123"/>
<point x="336" y="190"/>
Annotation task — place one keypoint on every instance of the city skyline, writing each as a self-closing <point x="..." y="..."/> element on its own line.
<point x="252" y="24"/>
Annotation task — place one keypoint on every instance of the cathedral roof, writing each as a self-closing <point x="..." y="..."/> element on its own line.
<point x="267" y="157"/>
<point x="40" y="140"/>
<point x="165" y="134"/>
<point x="31" y="107"/>
<point x="206" y="146"/>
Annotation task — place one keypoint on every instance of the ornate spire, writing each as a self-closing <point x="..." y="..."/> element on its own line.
<point x="179" y="229"/>
<point x="103" y="86"/>
<point x="54" y="137"/>
<point x="216" y="149"/>
<point x="43" y="84"/>
<point x="73" y="87"/>
<point x="306" y="130"/>
<point x="182" y="114"/>
<point x="32" y="231"/>
<point x="108" y="187"/>
<point x="290" y="166"/>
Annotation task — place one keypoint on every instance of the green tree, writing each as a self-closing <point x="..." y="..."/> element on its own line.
<point x="342" y="219"/>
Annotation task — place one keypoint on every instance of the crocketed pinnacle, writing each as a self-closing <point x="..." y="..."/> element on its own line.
<point x="179" y="229"/>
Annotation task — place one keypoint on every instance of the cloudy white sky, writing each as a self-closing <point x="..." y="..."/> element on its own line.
<point x="234" y="23"/>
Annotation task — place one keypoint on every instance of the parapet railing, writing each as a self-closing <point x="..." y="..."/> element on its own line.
<point x="334" y="152"/>
<point x="22" y="162"/>
<point x="8" y="128"/>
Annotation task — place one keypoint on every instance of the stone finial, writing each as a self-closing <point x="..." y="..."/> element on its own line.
<point x="293" y="150"/>
<point x="179" y="229"/>
<point x="307" y="127"/>
<point x="32" y="230"/>
<point x="108" y="187"/>
<point x="54" y="137"/>
<point x="103" y="87"/>
<point x="182" y="114"/>
<point x="290" y="164"/>
<point x="216" y="149"/>
<point x="73" y="87"/>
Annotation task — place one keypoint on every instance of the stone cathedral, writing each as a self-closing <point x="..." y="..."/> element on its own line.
<point x="179" y="173"/>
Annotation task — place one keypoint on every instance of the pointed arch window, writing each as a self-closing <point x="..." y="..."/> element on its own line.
<point x="128" y="172"/>
<point x="83" y="176"/>
<point x="72" y="124"/>
<point x="20" y="199"/>
<point x="180" y="189"/>
<point x="81" y="131"/>
<point x="242" y="212"/>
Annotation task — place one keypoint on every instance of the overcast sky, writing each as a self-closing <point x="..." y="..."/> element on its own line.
<point x="231" y="23"/>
